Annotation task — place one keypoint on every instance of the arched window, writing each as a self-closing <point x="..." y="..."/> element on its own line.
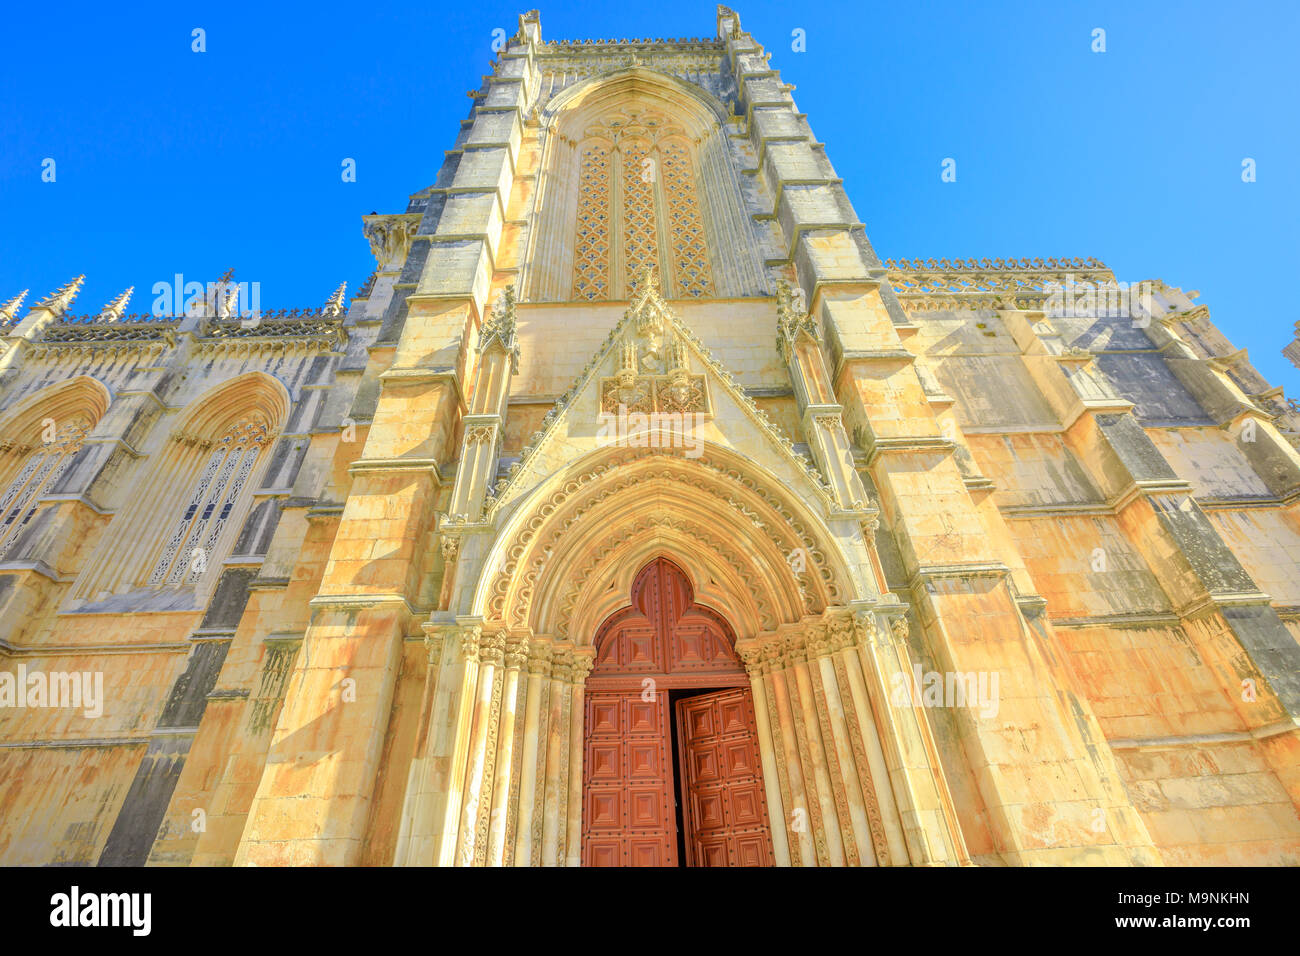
<point x="637" y="170"/>
<point x="181" y="521"/>
<point x="42" y="434"/>
<point x="215" y="493"/>
<point x="43" y="468"/>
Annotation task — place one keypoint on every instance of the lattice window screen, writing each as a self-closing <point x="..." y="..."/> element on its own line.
<point x="591" y="251"/>
<point x="630" y="196"/>
<point x="685" y="225"/>
<point x="38" y="475"/>
<point x="190" y="548"/>
<point x="640" y="219"/>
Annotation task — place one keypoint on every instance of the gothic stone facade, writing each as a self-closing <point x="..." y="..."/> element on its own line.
<point x="352" y="577"/>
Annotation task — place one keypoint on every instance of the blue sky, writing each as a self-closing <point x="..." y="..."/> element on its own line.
<point x="170" y="161"/>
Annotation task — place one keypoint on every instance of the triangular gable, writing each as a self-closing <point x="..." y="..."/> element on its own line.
<point x="653" y="382"/>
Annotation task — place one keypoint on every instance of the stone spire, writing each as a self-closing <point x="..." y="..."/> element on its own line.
<point x="113" y="311"/>
<point x="334" y="306"/>
<point x="57" y="302"/>
<point x="10" y="309"/>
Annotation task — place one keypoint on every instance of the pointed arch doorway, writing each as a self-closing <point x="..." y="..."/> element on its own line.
<point x="671" y="770"/>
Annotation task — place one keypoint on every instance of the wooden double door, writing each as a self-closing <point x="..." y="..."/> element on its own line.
<point x="671" y="771"/>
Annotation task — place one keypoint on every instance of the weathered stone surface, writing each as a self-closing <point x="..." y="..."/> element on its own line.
<point x="366" y="643"/>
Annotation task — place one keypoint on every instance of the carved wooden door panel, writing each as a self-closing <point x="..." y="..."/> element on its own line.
<point x="661" y="644"/>
<point x="723" y="804"/>
<point x="629" y="814"/>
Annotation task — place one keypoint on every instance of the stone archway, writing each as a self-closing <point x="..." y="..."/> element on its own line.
<point x="671" y="767"/>
<point x="499" y="776"/>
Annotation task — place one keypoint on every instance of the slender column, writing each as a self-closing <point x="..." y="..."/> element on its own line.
<point x="582" y="665"/>
<point x="854" y="824"/>
<point x="805" y="811"/>
<point x="541" y="747"/>
<point x="772" y="757"/>
<point x="557" y="769"/>
<point x="516" y="653"/>
<point x="815" y="757"/>
<point x="477" y="785"/>
<point x="933" y="835"/>
<point x="873" y="771"/>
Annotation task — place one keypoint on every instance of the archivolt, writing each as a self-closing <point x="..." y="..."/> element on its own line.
<point x="251" y="395"/>
<point x="771" y="558"/>
<point x="82" y="397"/>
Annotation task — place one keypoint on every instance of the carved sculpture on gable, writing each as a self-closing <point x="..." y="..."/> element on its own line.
<point x="654" y="372"/>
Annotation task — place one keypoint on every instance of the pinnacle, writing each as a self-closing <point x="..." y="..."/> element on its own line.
<point x="57" y="302"/>
<point x="10" y="308"/>
<point x="112" y="312"/>
<point x="334" y="304"/>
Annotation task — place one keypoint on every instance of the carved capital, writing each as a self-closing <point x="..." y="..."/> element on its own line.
<point x="840" y="633"/>
<point x="562" y="664"/>
<point x="900" y="628"/>
<point x="492" y="647"/>
<point x="864" y="628"/>
<point x="817" y="640"/>
<point x="539" y="658"/>
<point x="470" y="637"/>
<point x="516" y="651"/>
<point x="752" y="656"/>
<point x="582" y="665"/>
<point x="795" y="647"/>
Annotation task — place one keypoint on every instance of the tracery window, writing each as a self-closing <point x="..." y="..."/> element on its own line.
<point x="195" y="532"/>
<point x="638" y="206"/>
<point x="41" y="470"/>
<point x="591" y="270"/>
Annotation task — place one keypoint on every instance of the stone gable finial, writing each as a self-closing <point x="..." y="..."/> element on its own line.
<point x="57" y="302"/>
<point x="113" y="311"/>
<point x="649" y="309"/>
<point x="10" y="309"/>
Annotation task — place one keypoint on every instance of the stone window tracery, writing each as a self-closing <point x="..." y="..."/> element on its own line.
<point x="638" y="206"/>
<point x="196" y="531"/>
<point x="591" y="254"/>
<point x="685" y="226"/>
<point x="42" y="469"/>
